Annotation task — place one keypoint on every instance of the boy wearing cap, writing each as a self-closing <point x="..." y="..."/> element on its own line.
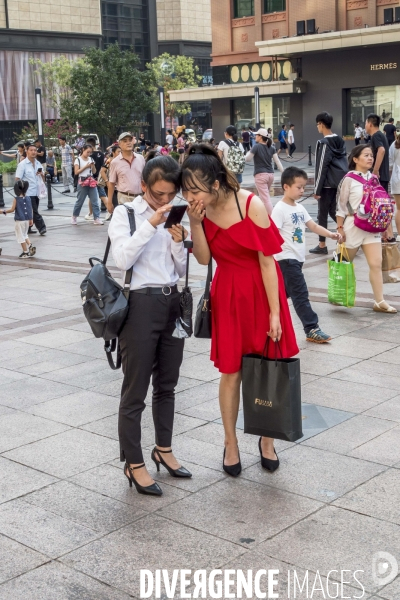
<point x="264" y="154"/>
<point x="125" y="172"/>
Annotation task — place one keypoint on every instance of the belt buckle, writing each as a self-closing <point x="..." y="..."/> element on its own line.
<point x="163" y="288"/>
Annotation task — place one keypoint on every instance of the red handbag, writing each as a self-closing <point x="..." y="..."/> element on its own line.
<point x="88" y="182"/>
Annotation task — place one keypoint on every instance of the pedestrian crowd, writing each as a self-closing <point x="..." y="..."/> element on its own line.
<point x="259" y="249"/>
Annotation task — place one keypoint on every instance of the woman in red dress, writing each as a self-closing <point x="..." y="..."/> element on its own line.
<point x="248" y="296"/>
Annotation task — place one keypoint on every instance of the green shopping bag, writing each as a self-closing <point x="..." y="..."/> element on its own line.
<point x="341" y="281"/>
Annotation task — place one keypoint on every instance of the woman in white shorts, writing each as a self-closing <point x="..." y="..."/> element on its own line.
<point x="349" y="198"/>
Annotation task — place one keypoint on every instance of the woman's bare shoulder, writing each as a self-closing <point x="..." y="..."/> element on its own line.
<point x="257" y="211"/>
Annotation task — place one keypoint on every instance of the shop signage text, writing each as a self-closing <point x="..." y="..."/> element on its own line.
<point x="384" y="67"/>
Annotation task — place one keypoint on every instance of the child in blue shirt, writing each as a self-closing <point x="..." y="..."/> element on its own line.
<point x="23" y="216"/>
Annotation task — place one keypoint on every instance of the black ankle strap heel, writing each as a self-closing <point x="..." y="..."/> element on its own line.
<point x="150" y="490"/>
<point x="158" y="460"/>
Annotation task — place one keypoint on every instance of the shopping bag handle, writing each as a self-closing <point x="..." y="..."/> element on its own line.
<point x="266" y="347"/>
<point x="343" y="249"/>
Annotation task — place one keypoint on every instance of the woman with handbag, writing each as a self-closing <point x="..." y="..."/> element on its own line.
<point x="148" y="348"/>
<point x="248" y="299"/>
<point x="84" y="168"/>
<point x="349" y="197"/>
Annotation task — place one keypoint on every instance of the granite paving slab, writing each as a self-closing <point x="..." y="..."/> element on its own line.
<point x="239" y="511"/>
<point x="305" y="544"/>
<point x="389" y="410"/>
<point x="355" y="347"/>
<point x="88" y="508"/>
<point x="18" y="480"/>
<point x="67" y="453"/>
<point x="16" y="559"/>
<point x="77" y="409"/>
<point x="55" y="578"/>
<point x="315" y="473"/>
<point x="317" y="364"/>
<point x="58" y="338"/>
<point x="196" y="395"/>
<point x="85" y="375"/>
<point x="347" y="436"/>
<point x="32" y="390"/>
<point x="20" y="428"/>
<point x="155" y="548"/>
<point x="41" y="529"/>
<point x="384" y="449"/>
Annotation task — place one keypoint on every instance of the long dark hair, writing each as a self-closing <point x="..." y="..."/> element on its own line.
<point x="160" y="168"/>
<point x="203" y="167"/>
<point x="355" y="153"/>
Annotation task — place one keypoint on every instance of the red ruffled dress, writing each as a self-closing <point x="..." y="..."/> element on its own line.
<point x="240" y="310"/>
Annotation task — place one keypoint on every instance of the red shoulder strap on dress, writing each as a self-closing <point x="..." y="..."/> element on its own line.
<point x="248" y="202"/>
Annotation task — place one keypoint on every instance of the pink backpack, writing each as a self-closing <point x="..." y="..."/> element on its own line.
<point x="376" y="209"/>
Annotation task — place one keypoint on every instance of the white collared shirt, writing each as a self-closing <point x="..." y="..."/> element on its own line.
<point x="156" y="259"/>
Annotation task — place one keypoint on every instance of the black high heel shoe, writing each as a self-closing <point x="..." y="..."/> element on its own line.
<point x="181" y="472"/>
<point x="150" y="490"/>
<point x="232" y="470"/>
<point x="267" y="463"/>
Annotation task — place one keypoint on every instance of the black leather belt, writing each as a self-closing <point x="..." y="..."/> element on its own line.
<point x="166" y="290"/>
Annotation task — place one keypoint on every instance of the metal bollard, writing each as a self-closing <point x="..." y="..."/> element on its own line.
<point x="49" y="196"/>
<point x="309" y="157"/>
<point x="2" y="205"/>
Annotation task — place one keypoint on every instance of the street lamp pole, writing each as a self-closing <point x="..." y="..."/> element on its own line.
<point x="257" y="106"/>
<point x="39" y="114"/>
<point x="162" y="111"/>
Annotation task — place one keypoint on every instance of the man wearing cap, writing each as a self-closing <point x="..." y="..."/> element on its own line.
<point x="125" y="172"/>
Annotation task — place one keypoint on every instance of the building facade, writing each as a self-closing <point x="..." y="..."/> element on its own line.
<point x="184" y="28"/>
<point x="305" y="56"/>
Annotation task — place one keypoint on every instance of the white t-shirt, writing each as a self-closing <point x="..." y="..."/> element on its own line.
<point x="82" y="162"/>
<point x="291" y="222"/>
<point x="290" y="136"/>
<point x="224" y="147"/>
<point x="170" y="139"/>
<point x="358" y="132"/>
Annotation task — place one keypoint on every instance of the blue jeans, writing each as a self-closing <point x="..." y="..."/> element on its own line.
<point x="83" y="192"/>
<point x="239" y="177"/>
<point x="296" y="289"/>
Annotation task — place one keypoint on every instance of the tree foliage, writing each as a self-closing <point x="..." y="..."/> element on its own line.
<point x="108" y="92"/>
<point x="174" y="73"/>
<point x="52" y="130"/>
<point x="54" y="79"/>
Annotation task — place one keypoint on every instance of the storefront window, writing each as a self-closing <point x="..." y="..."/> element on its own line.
<point x="271" y="6"/>
<point x="243" y="8"/>
<point x="382" y="100"/>
<point x="274" y="112"/>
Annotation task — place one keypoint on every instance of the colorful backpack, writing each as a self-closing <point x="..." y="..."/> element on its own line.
<point x="235" y="161"/>
<point x="376" y="209"/>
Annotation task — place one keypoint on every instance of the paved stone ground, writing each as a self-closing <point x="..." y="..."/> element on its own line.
<point x="70" y="527"/>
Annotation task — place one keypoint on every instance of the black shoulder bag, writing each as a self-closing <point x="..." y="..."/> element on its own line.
<point x="105" y="302"/>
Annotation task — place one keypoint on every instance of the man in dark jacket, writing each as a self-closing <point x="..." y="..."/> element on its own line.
<point x="330" y="167"/>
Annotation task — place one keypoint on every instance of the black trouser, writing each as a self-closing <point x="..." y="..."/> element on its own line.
<point x="326" y="206"/>
<point x="296" y="289"/>
<point x="357" y="141"/>
<point x="292" y="148"/>
<point x="246" y="146"/>
<point x="385" y="185"/>
<point x="148" y="349"/>
<point x="37" y="218"/>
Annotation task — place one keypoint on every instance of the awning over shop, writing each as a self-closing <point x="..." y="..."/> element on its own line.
<point x="238" y="90"/>
<point x="333" y="40"/>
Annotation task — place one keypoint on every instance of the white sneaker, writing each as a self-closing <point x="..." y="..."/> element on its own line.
<point x="89" y="217"/>
<point x="398" y="238"/>
<point x="108" y="217"/>
<point x="74" y="220"/>
<point x="98" y="222"/>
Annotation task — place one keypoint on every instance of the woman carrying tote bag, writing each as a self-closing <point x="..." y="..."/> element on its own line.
<point x="349" y="197"/>
<point x="148" y="348"/>
<point x="248" y="298"/>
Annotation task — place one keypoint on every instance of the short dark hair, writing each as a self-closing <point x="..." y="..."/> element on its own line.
<point x="374" y="119"/>
<point x="169" y="131"/>
<point x="37" y="141"/>
<point x="161" y="168"/>
<point x="232" y="131"/>
<point x="283" y="125"/>
<point x="292" y="125"/>
<point x="325" y="118"/>
<point x="290" y="174"/>
<point x="357" y="124"/>
<point x="91" y="139"/>
<point x="62" y="137"/>
<point x="21" y="187"/>
<point x="391" y="120"/>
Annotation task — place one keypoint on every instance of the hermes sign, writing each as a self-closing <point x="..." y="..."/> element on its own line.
<point x="384" y="67"/>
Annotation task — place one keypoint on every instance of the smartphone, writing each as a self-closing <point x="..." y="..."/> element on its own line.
<point x="176" y="215"/>
<point x="40" y="170"/>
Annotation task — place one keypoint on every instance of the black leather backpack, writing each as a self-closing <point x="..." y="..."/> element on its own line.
<point x="105" y="302"/>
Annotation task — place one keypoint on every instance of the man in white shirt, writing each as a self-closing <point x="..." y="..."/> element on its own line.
<point x="169" y="139"/>
<point x="292" y="146"/>
<point x="358" y="131"/>
<point x="30" y="170"/>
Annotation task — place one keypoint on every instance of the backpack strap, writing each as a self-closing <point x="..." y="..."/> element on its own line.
<point x="128" y="276"/>
<point x="357" y="178"/>
<point x="110" y="347"/>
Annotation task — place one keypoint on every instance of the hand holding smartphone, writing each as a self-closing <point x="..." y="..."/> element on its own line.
<point x="176" y="215"/>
